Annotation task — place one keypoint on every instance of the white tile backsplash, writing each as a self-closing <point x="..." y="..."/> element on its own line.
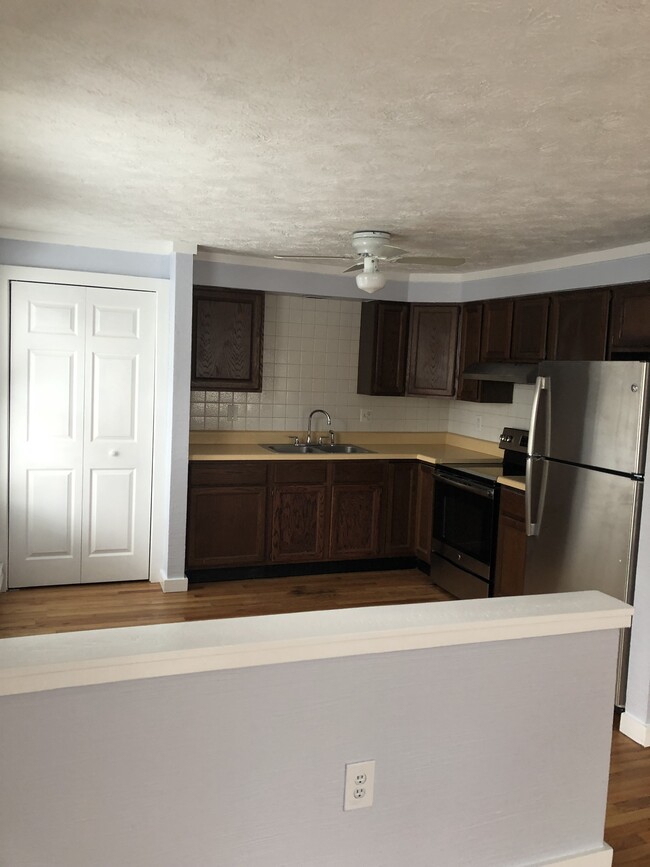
<point x="311" y="346"/>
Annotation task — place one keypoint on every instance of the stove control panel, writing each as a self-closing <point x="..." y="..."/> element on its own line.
<point x="514" y="439"/>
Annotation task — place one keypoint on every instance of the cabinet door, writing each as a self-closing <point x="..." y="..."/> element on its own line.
<point x="578" y="325"/>
<point x="432" y="349"/>
<point x="470" y="353"/>
<point x="424" y="513"/>
<point x="227" y="332"/>
<point x="529" y="327"/>
<point x="400" y="502"/>
<point x="630" y="321"/>
<point x="383" y="343"/>
<point x="511" y="545"/>
<point x="355" y="521"/>
<point x="298" y="523"/>
<point x="470" y="350"/>
<point x="496" y="332"/>
<point x="226" y="526"/>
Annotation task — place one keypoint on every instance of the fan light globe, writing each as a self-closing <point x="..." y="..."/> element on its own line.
<point x="370" y="281"/>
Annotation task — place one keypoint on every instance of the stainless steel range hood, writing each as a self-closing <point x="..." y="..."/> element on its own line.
<point x="502" y="371"/>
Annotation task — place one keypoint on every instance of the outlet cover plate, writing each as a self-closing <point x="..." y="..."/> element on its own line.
<point x="359" y="789"/>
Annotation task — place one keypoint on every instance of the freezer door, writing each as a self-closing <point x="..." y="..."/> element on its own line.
<point x="592" y="413"/>
<point x="585" y="525"/>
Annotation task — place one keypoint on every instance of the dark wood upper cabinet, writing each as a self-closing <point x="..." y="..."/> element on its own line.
<point x="470" y="353"/>
<point x="578" y="325"/>
<point x="383" y="343"/>
<point x="432" y="350"/>
<point x="529" y="328"/>
<point x="630" y="320"/>
<point x="227" y="334"/>
<point x="407" y="348"/>
<point x="496" y="331"/>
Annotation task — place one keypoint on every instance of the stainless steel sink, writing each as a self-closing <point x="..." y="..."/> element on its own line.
<point x="339" y="449"/>
<point x="343" y="449"/>
<point x="290" y="449"/>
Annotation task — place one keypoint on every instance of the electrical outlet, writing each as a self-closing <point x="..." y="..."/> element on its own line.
<point x="479" y="422"/>
<point x="231" y="411"/>
<point x="365" y="414"/>
<point x="359" y="788"/>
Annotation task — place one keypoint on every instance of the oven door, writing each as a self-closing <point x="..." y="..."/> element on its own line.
<point x="464" y="525"/>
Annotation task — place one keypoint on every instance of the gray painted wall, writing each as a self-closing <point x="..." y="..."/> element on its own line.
<point x="493" y="754"/>
<point x="291" y="281"/>
<point x="33" y="254"/>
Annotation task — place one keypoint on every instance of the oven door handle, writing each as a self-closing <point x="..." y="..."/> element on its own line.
<point x="478" y="489"/>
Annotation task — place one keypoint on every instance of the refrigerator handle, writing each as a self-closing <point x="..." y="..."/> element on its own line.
<point x="542" y="383"/>
<point x="536" y="475"/>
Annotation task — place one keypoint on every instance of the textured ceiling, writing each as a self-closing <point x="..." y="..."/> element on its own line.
<point x="504" y="131"/>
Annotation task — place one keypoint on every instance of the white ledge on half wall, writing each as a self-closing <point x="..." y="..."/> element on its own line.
<point x="45" y="662"/>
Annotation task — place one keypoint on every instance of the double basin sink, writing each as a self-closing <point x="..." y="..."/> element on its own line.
<point x="338" y="449"/>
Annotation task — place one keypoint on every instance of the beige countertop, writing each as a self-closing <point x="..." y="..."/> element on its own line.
<point x="430" y="448"/>
<point x="518" y="482"/>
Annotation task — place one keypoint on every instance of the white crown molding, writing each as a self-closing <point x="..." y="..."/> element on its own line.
<point x="615" y="253"/>
<point x="126" y="245"/>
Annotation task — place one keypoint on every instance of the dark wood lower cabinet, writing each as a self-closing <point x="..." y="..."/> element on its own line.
<point x="226" y="515"/>
<point x="226" y="526"/>
<point x="355" y="521"/>
<point x="297" y="523"/>
<point x="400" y="508"/>
<point x="424" y="513"/>
<point x="511" y="544"/>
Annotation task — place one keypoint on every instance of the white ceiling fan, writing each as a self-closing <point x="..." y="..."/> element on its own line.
<point x="372" y="247"/>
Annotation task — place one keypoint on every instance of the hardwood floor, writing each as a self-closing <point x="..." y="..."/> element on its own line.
<point x="41" y="610"/>
<point x="101" y="606"/>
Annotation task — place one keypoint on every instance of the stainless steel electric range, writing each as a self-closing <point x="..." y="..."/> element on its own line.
<point x="465" y="517"/>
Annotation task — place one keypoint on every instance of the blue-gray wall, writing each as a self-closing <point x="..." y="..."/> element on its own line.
<point x="490" y="754"/>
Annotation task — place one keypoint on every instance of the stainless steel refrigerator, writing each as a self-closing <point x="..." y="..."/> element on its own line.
<point x="584" y="480"/>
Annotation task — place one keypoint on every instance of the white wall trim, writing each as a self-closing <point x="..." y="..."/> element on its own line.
<point x="629" y="252"/>
<point x="601" y="857"/>
<point x="178" y="584"/>
<point x="45" y="662"/>
<point x="161" y="287"/>
<point x="127" y="245"/>
<point x="635" y="729"/>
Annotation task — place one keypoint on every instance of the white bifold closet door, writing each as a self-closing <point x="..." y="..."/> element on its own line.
<point x="81" y="434"/>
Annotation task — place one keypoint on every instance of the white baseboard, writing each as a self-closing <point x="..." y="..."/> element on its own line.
<point x="633" y="728"/>
<point x="596" y="858"/>
<point x="173" y="585"/>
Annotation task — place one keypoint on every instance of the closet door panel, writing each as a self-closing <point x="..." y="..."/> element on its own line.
<point x="46" y="435"/>
<point x="120" y="347"/>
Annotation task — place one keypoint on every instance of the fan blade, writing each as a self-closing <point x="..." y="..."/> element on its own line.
<point x="358" y="266"/>
<point x="428" y="260"/>
<point x="391" y="251"/>
<point x="321" y="258"/>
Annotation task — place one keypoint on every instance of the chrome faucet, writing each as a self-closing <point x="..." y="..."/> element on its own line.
<point x="311" y="415"/>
